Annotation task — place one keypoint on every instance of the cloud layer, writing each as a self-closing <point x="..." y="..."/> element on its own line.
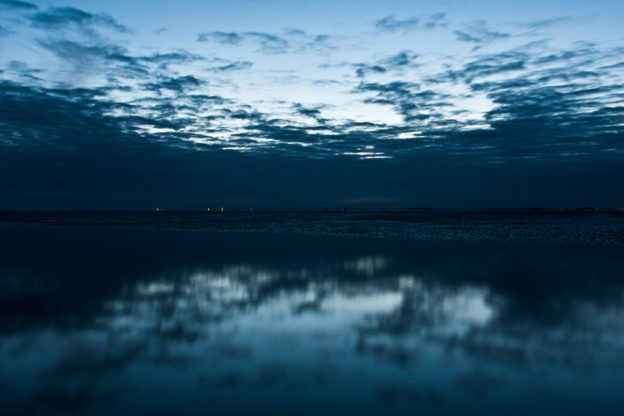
<point x="289" y="95"/>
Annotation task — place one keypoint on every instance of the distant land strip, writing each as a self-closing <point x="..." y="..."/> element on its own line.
<point x="604" y="226"/>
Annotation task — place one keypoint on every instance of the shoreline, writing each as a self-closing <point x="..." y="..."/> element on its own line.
<point x="582" y="227"/>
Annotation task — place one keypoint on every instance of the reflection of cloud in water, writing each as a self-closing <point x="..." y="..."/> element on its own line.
<point x="367" y="265"/>
<point x="243" y="328"/>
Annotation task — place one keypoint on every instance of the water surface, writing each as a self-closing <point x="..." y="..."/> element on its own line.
<point x="101" y="321"/>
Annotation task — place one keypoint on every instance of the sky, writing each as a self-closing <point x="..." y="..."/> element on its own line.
<point x="278" y="104"/>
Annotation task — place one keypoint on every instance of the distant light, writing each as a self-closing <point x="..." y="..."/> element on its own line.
<point x="221" y="209"/>
<point x="250" y="209"/>
<point x="208" y="209"/>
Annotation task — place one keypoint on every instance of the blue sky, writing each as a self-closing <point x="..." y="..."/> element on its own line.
<point x="499" y="103"/>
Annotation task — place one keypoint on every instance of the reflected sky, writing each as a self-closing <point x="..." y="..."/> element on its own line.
<point x="105" y="321"/>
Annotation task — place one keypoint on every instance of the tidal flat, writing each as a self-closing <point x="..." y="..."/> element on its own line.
<point x="604" y="227"/>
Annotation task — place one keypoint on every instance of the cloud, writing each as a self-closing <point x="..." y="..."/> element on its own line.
<point x="53" y="117"/>
<point x="557" y="57"/>
<point x="17" y="5"/>
<point x="535" y="94"/>
<point x="544" y="23"/>
<point x="232" y="66"/>
<point x="101" y="56"/>
<point x="479" y="33"/>
<point x="267" y="43"/>
<point x="61" y="17"/>
<point x="81" y="55"/>
<point x="175" y="107"/>
<point x="23" y="70"/>
<point x="312" y="112"/>
<point x="42" y="129"/>
<point x="365" y="69"/>
<point x="412" y="102"/>
<point x="392" y="24"/>
<point x="292" y="40"/>
<point x="402" y="60"/>
<point x="171" y="58"/>
<point x="486" y="65"/>
<point x="230" y="38"/>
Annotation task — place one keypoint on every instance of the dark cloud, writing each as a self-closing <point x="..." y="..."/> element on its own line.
<point x="53" y="118"/>
<point x="544" y="23"/>
<point x="42" y="130"/>
<point x="19" y="5"/>
<point x="484" y="66"/>
<point x="549" y="116"/>
<point x="365" y="69"/>
<point x="171" y="58"/>
<point x="60" y="17"/>
<point x="412" y="102"/>
<point x="23" y="70"/>
<point x="392" y="24"/>
<point x="245" y="115"/>
<point x="401" y="60"/>
<point x="312" y="112"/>
<point x="232" y="66"/>
<point x="535" y="114"/>
<point x="612" y="66"/>
<point x="101" y="56"/>
<point x="293" y="40"/>
<point x="231" y="38"/>
<point x="480" y="34"/>
<point x="198" y="100"/>
<point x="556" y="57"/>
<point x="556" y="129"/>
<point x="267" y="43"/>
<point x="82" y="56"/>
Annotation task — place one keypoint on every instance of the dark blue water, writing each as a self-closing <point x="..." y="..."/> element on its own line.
<point x="102" y="321"/>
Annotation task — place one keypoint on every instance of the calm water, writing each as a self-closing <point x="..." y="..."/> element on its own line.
<point x="101" y="321"/>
